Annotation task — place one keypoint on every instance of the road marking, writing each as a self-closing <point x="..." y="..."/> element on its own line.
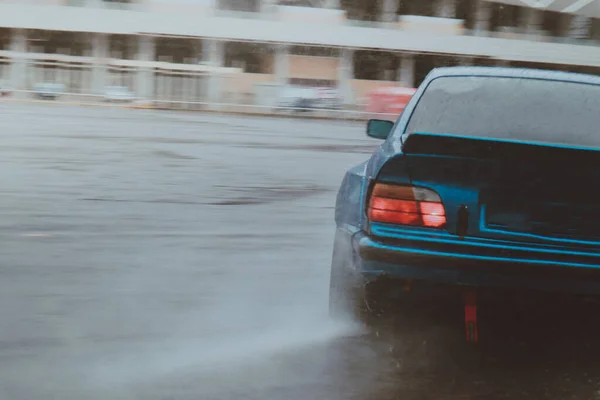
<point x="36" y="235"/>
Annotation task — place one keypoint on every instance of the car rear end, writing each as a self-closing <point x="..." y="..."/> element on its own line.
<point x="492" y="191"/>
<point x="483" y="213"/>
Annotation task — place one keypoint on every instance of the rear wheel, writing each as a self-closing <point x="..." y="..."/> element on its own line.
<point x="423" y="328"/>
<point x="417" y="340"/>
<point x="350" y="296"/>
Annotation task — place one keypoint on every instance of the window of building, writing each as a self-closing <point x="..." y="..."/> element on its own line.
<point x="553" y="23"/>
<point x="5" y="38"/>
<point x="417" y="7"/>
<point x="123" y="47"/>
<point x="362" y="10"/>
<point x="375" y="65"/>
<point x="55" y="42"/>
<point x="465" y="10"/>
<point x="578" y="27"/>
<point x="177" y="50"/>
<point x="505" y="16"/>
<point x="239" y="5"/>
<point x="595" y="29"/>
<point x="248" y="56"/>
<point x="314" y="51"/>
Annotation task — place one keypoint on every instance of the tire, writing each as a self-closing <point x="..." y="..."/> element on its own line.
<point x="350" y="296"/>
<point x="401" y="322"/>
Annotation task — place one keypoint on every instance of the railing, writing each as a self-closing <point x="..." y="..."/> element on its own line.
<point x="539" y="37"/>
<point x="343" y="21"/>
<point x="88" y="99"/>
<point x="98" y="3"/>
<point x="241" y="14"/>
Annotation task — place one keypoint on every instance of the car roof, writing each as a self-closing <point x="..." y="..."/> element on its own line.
<point x="507" y="72"/>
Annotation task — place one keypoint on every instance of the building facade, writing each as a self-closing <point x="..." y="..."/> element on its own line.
<point x="237" y="51"/>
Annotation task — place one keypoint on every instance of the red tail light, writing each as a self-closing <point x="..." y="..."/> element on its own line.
<point x="406" y="205"/>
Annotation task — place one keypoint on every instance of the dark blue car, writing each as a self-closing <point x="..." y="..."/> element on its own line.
<point x="489" y="180"/>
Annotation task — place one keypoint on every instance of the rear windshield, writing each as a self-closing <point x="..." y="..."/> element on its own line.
<point x="510" y="108"/>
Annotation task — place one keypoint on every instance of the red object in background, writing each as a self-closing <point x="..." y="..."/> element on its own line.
<point x="389" y="100"/>
<point x="471" y="328"/>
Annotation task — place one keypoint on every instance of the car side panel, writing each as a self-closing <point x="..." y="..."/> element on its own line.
<point x="475" y="264"/>
<point x="348" y="208"/>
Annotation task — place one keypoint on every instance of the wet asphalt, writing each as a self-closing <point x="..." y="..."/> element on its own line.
<point x="162" y="255"/>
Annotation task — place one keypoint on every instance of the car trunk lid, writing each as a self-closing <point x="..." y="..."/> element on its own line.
<point x="522" y="191"/>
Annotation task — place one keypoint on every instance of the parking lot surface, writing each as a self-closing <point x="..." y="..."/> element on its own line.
<point x="161" y="255"/>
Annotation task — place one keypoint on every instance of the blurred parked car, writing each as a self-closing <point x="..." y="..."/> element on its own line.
<point x="297" y="97"/>
<point x="5" y="90"/>
<point x="329" y="98"/>
<point x="118" y="94"/>
<point x="389" y="100"/>
<point x="48" y="90"/>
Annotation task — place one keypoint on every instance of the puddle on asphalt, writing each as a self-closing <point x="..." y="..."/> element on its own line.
<point x="261" y="194"/>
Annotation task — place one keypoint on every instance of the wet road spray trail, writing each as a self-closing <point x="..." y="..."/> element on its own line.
<point x="150" y="255"/>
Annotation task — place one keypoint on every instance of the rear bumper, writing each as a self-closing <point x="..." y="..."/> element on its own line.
<point x="462" y="263"/>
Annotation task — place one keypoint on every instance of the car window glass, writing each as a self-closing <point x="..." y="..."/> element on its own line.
<point x="510" y="108"/>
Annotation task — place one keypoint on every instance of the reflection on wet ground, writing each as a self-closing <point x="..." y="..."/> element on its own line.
<point x="521" y="370"/>
<point x="163" y="260"/>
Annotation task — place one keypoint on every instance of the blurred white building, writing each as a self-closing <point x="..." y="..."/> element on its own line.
<point x="223" y="50"/>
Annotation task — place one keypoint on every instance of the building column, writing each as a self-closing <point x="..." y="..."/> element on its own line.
<point x="346" y="75"/>
<point x="18" y="65"/>
<point x="533" y="19"/>
<point x="282" y="64"/>
<point x="332" y="4"/>
<point x="579" y="27"/>
<point x="406" y="72"/>
<point x="214" y="55"/>
<point x="446" y="9"/>
<point x="483" y="14"/>
<point x="268" y="6"/>
<point x="145" y="76"/>
<point x="388" y="10"/>
<point x="100" y="49"/>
